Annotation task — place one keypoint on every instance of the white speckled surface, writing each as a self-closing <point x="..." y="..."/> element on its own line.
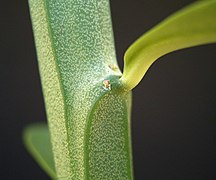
<point x="109" y="140"/>
<point x="76" y="54"/>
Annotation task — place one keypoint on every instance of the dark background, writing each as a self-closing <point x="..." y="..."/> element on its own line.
<point x="174" y="117"/>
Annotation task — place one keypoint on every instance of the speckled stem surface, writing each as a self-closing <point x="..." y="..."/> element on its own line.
<point x="89" y="120"/>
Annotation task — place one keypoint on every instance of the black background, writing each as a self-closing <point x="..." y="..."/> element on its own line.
<point x="174" y="117"/>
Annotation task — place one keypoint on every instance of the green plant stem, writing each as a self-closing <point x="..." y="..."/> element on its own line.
<point x="88" y="118"/>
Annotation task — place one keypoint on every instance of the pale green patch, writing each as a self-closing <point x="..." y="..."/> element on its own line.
<point x="37" y="140"/>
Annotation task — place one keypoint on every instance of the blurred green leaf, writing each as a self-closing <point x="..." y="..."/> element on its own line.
<point x="37" y="141"/>
<point x="191" y="26"/>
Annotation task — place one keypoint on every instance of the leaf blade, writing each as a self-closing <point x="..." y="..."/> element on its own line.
<point x="191" y="26"/>
<point x="37" y="141"/>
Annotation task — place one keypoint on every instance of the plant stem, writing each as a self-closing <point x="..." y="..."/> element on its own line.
<point x="88" y="113"/>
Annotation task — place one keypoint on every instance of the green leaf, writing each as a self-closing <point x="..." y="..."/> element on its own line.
<point x="191" y="26"/>
<point x="37" y="141"/>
